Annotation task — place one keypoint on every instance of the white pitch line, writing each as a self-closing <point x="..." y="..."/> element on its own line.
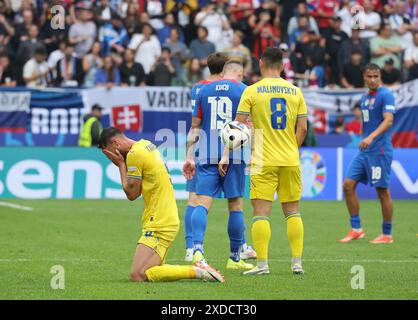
<point x="15" y="206"/>
<point x="212" y="260"/>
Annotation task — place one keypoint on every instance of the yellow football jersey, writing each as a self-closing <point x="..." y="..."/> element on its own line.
<point x="144" y="162"/>
<point x="274" y="105"/>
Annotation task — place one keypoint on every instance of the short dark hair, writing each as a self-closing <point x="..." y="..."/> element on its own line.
<point x="272" y="57"/>
<point x="204" y="29"/>
<point x="216" y="62"/>
<point x="96" y="107"/>
<point x="371" y="66"/>
<point x="107" y="135"/>
<point x="40" y="50"/>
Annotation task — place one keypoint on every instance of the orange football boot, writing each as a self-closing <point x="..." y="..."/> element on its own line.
<point x="382" y="239"/>
<point x="352" y="235"/>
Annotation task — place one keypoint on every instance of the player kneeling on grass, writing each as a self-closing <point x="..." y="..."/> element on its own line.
<point x="142" y="171"/>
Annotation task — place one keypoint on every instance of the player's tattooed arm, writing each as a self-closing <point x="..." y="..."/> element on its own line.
<point x="381" y="129"/>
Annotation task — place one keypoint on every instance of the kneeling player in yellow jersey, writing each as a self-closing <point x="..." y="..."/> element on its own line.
<point x="278" y="113"/>
<point x="142" y="171"/>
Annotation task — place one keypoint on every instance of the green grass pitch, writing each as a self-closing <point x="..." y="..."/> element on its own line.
<point x="94" y="241"/>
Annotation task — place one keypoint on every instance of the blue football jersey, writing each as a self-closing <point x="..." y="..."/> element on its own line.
<point x="217" y="104"/>
<point x="373" y="105"/>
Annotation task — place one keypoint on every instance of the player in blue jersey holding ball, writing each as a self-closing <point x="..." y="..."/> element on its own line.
<point x="372" y="164"/>
<point x="217" y="104"/>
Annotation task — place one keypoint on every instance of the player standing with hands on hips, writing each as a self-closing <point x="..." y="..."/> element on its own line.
<point x="278" y="111"/>
<point x="372" y="163"/>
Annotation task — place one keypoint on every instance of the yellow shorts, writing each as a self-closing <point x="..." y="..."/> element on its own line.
<point x="160" y="242"/>
<point x="286" y="181"/>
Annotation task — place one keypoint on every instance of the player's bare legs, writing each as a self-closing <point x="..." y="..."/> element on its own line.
<point x="146" y="266"/>
<point x="353" y="207"/>
<point x="144" y="258"/>
<point x="261" y="234"/>
<point x="199" y="222"/>
<point x="236" y="229"/>
<point x="387" y="213"/>
<point x="191" y="204"/>
<point x="295" y="234"/>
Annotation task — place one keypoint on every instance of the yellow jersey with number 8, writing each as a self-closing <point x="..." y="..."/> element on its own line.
<point x="144" y="162"/>
<point x="275" y="106"/>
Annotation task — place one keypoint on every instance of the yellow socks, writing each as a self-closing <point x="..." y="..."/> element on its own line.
<point x="168" y="272"/>
<point x="295" y="234"/>
<point x="261" y="233"/>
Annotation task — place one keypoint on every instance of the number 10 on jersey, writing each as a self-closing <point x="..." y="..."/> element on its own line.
<point x="278" y="113"/>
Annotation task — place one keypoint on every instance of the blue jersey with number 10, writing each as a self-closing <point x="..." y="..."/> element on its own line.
<point x="217" y="104"/>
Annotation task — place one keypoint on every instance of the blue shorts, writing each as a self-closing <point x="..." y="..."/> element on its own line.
<point x="191" y="184"/>
<point x="210" y="183"/>
<point x="372" y="169"/>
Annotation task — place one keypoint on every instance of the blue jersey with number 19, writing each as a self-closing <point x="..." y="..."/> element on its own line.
<point x="275" y="106"/>
<point x="217" y="104"/>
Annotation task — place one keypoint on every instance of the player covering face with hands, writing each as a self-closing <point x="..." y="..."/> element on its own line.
<point x="143" y="172"/>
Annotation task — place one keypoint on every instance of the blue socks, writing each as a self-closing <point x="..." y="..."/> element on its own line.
<point x="387" y="228"/>
<point x="188" y="226"/>
<point x="355" y="222"/>
<point x="236" y="229"/>
<point x="199" y="221"/>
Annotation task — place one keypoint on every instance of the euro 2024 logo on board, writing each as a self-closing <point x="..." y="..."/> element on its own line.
<point x="314" y="173"/>
<point x="127" y="118"/>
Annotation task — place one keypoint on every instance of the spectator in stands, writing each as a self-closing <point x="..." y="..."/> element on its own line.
<point x="338" y="125"/>
<point x="369" y="21"/>
<point x="163" y="71"/>
<point x="411" y="10"/>
<point x="113" y="36"/>
<point x="194" y="72"/>
<point x="36" y="70"/>
<point x="386" y="46"/>
<point x="346" y="17"/>
<point x="300" y="34"/>
<point x="334" y="38"/>
<point x="165" y="32"/>
<point x="302" y="10"/>
<point x="352" y="73"/>
<point x="92" y="127"/>
<point x="8" y="76"/>
<point x="131" y="73"/>
<point x="146" y="46"/>
<point x="131" y="19"/>
<point x="156" y="12"/>
<point x="287" y="72"/>
<point x="6" y="31"/>
<point x="56" y="56"/>
<point x="265" y="34"/>
<point x="179" y="53"/>
<point x="240" y="52"/>
<point x="401" y="24"/>
<point x="391" y="76"/>
<point x="91" y="63"/>
<point x="103" y="12"/>
<point x="22" y="29"/>
<point x="215" y="21"/>
<point x="411" y="58"/>
<point x="69" y="69"/>
<point x="108" y="76"/>
<point x="325" y="10"/>
<point x="355" y="43"/>
<point x="240" y="10"/>
<point x="27" y="47"/>
<point x="355" y="125"/>
<point x="82" y="33"/>
<point x="200" y="48"/>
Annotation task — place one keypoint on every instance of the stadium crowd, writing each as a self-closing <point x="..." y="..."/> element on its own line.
<point x="162" y="43"/>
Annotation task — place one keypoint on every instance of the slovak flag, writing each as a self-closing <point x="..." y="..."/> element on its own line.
<point x="14" y="109"/>
<point x="127" y="118"/>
